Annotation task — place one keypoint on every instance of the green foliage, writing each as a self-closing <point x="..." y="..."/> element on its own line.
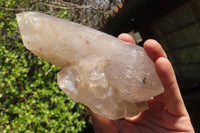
<point x="30" y="100"/>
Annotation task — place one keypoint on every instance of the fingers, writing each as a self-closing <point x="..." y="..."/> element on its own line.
<point x="154" y="50"/>
<point x="126" y="38"/>
<point x="172" y="98"/>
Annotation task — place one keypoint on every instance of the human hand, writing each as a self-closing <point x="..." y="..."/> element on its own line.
<point x="167" y="112"/>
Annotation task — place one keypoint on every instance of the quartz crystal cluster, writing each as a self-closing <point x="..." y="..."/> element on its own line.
<point x="111" y="77"/>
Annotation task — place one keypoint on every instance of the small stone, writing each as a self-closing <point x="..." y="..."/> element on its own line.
<point x="111" y="77"/>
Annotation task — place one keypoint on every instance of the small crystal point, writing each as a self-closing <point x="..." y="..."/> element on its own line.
<point x="111" y="77"/>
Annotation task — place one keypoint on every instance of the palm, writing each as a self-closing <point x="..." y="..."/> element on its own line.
<point x="167" y="112"/>
<point x="156" y="119"/>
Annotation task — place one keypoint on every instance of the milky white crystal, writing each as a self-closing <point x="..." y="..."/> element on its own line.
<point x="111" y="77"/>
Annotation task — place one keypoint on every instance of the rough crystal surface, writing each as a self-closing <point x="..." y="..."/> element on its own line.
<point x="111" y="77"/>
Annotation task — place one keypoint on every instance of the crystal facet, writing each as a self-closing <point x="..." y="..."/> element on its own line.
<point x="111" y="77"/>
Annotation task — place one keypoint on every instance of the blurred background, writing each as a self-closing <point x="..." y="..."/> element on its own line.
<point x="30" y="100"/>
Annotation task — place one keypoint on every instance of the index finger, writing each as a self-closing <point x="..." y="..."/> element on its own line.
<point x="126" y="38"/>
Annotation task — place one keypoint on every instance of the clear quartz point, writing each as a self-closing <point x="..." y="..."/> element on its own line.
<point x="111" y="77"/>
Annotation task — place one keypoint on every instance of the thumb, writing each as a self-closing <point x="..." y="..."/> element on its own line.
<point x="102" y="124"/>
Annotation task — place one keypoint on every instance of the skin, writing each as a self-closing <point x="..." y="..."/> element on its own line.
<point x="167" y="112"/>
